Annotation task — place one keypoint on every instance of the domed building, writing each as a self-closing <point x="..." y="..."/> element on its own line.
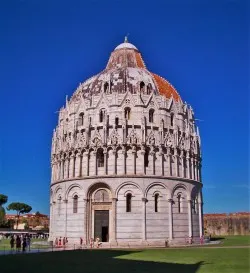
<point x="126" y="160"/>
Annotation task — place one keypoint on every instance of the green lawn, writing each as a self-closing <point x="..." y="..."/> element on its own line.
<point x="5" y="244"/>
<point x="236" y="240"/>
<point x="199" y="260"/>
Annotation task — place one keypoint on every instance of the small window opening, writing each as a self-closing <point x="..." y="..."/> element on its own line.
<point x="106" y="87"/>
<point x="100" y="158"/>
<point x="156" y="201"/>
<point x="146" y="161"/>
<point x="128" y="202"/>
<point x="149" y="88"/>
<point x="179" y="203"/>
<point x="116" y="121"/>
<point x="75" y="204"/>
<point x="142" y="87"/>
<point x="127" y="113"/>
<point x="172" y="119"/>
<point x="151" y="115"/>
<point x="101" y="115"/>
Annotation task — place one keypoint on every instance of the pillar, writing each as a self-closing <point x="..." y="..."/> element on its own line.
<point x="71" y="166"/>
<point x="144" y="235"/>
<point x="124" y="160"/>
<point x="85" y="201"/>
<point x="188" y="165"/>
<point x="143" y="170"/>
<point x="134" y="159"/>
<point x="78" y="168"/>
<point x="170" y="218"/>
<point x="113" y="228"/>
<point x="105" y="160"/>
<point x="114" y="161"/>
<point x="85" y="164"/>
<point x="66" y="213"/>
<point x="95" y="162"/>
<point x="201" y="218"/>
<point x="190" y="227"/>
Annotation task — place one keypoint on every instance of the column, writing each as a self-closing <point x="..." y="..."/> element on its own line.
<point x="176" y="163"/>
<point x="153" y="162"/>
<point x="194" y="168"/>
<point x="161" y="161"/>
<point x="78" y="168"/>
<point x="170" y="218"/>
<point x="85" y="165"/>
<point x="200" y="218"/>
<point x="71" y="166"/>
<point x="197" y="170"/>
<point x="105" y="160"/>
<point x="66" y="213"/>
<point x="50" y="222"/>
<point x="67" y="167"/>
<point x="114" y="161"/>
<point x="191" y="169"/>
<point x="188" y="165"/>
<point x="182" y="165"/>
<point x="85" y="201"/>
<point x="144" y="235"/>
<point x="95" y="162"/>
<point x="190" y="228"/>
<point x="124" y="160"/>
<point x="143" y="170"/>
<point x="113" y="228"/>
<point x="134" y="159"/>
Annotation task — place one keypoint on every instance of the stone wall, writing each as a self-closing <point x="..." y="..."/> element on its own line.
<point x="227" y="224"/>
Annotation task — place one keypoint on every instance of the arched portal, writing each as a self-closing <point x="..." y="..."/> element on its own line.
<point x="100" y="214"/>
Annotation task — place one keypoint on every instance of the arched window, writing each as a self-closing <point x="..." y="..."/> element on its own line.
<point x="100" y="158"/>
<point x="128" y="202"/>
<point x="116" y="121"/>
<point x="151" y="115"/>
<point x="179" y="203"/>
<point x="101" y="196"/>
<point x="101" y="115"/>
<point x="75" y="204"/>
<point x="81" y="119"/>
<point x="106" y="87"/>
<point x="142" y="87"/>
<point x="146" y="161"/>
<point x="172" y="119"/>
<point x="149" y="88"/>
<point x="156" y="201"/>
<point x="127" y="113"/>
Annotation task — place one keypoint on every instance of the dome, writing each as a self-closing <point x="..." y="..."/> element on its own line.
<point x="126" y="45"/>
<point x="126" y="71"/>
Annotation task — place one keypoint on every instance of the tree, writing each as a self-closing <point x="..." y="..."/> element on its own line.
<point x="20" y="208"/>
<point x="3" y="200"/>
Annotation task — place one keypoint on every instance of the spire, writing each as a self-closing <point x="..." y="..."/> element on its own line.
<point x="126" y="39"/>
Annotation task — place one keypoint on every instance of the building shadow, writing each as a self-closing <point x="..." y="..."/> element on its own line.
<point x="89" y="261"/>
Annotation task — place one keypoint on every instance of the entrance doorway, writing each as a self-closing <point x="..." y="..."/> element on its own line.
<point x="101" y="225"/>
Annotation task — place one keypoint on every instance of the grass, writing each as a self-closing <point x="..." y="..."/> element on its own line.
<point x="235" y="240"/>
<point x="206" y="260"/>
<point x="5" y="244"/>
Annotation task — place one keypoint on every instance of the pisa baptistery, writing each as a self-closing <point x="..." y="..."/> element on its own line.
<point x="126" y="160"/>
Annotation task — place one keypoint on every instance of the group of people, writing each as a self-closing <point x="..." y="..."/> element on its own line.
<point x="20" y="242"/>
<point x="61" y="242"/>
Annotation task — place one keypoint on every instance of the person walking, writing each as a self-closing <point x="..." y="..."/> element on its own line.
<point x="12" y="243"/>
<point x="24" y="244"/>
<point x="18" y="243"/>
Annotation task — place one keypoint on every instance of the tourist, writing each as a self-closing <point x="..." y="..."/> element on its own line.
<point x="64" y="241"/>
<point x="81" y="241"/>
<point x="12" y="243"/>
<point x="56" y="242"/>
<point x="24" y="244"/>
<point x="18" y="243"/>
<point x="60" y="241"/>
<point x="28" y="242"/>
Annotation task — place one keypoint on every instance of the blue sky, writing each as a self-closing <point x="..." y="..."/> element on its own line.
<point x="48" y="47"/>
